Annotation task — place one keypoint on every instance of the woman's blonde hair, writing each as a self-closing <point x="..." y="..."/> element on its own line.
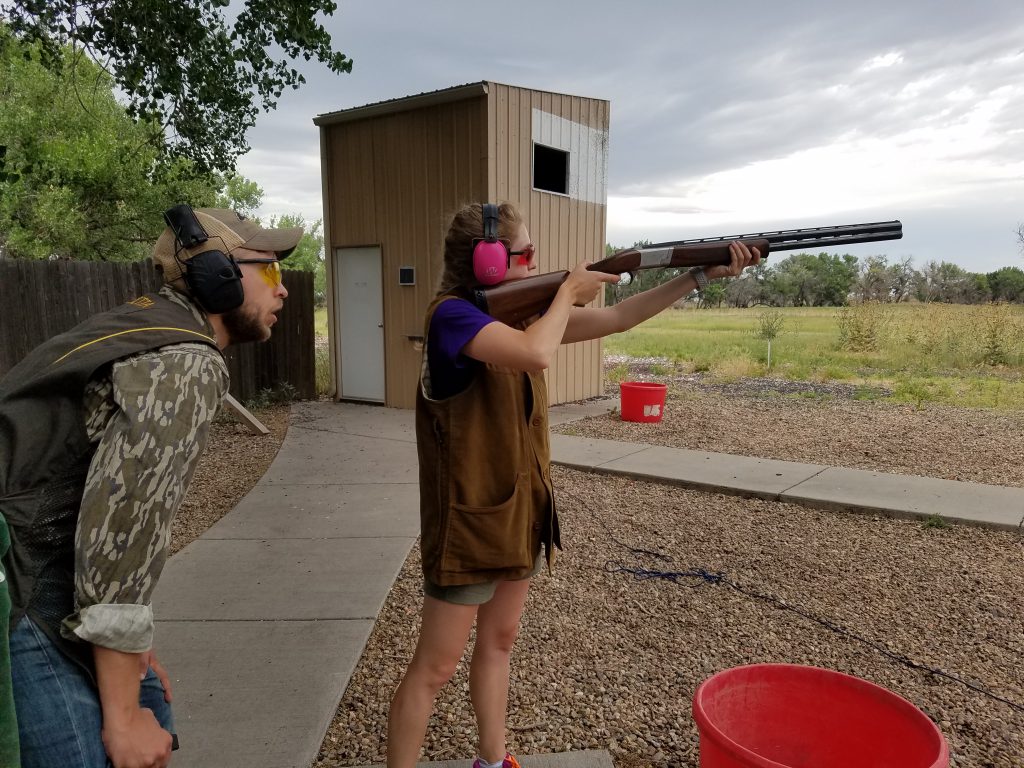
<point x="468" y="225"/>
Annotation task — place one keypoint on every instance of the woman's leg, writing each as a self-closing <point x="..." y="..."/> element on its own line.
<point x="496" y="629"/>
<point x="444" y="631"/>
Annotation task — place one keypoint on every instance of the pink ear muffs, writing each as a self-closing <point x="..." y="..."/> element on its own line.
<point x="490" y="262"/>
<point x="490" y="255"/>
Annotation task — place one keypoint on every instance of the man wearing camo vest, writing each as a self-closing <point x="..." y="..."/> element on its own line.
<point x="100" y="432"/>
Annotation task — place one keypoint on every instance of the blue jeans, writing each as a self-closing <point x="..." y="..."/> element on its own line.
<point x="58" y="706"/>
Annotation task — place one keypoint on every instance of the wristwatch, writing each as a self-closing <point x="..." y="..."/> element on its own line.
<point x="701" y="278"/>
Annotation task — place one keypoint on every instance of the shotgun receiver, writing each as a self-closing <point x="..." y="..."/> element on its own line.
<point x="516" y="300"/>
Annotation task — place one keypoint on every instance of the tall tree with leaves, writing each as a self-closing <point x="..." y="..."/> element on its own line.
<point x="309" y="253"/>
<point x="78" y="177"/>
<point x="242" y="195"/>
<point x="1007" y="284"/>
<point x="902" y="276"/>
<point x="809" y="280"/>
<point x="182" y="64"/>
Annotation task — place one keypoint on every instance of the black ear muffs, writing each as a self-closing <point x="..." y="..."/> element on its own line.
<point x="212" y="276"/>
<point x="215" y="281"/>
<point x="490" y="256"/>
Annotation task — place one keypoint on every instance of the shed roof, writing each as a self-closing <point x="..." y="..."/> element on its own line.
<point x="428" y="99"/>
<point x="404" y="103"/>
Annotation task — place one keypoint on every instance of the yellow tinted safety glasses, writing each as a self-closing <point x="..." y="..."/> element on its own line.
<point x="271" y="272"/>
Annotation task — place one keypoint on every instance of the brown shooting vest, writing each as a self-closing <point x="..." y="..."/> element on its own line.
<point x="486" y="501"/>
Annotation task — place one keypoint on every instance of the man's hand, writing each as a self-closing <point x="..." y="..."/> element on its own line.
<point x="742" y="257"/>
<point x="147" y="660"/>
<point x="137" y="742"/>
<point x="131" y="734"/>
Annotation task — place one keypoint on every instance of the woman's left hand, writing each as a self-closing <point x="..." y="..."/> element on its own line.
<point x="741" y="258"/>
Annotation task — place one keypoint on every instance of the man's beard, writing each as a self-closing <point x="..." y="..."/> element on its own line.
<point x="243" y="324"/>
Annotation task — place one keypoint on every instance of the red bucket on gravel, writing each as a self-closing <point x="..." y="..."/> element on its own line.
<point x="793" y="716"/>
<point x="641" y="401"/>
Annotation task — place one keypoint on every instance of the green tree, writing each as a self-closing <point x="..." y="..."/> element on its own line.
<point x="875" y="281"/>
<point x="808" y="280"/>
<point x="308" y="254"/>
<point x="713" y="295"/>
<point x="78" y="177"/>
<point x="770" y="324"/>
<point x="240" y="194"/>
<point x="950" y="283"/>
<point x="902" y="276"/>
<point x="182" y="64"/>
<point x="1006" y="284"/>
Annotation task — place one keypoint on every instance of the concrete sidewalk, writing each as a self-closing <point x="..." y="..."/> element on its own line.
<point x="262" y="620"/>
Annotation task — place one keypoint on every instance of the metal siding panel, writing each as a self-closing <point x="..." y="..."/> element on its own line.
<point x="327" y="179"/>
<point x="564" y="207"/>
<point x="400" y="152"/>
<point x="487" y="153"/>
<point x="526" y="159"/>
<point x="500" y="147"/>
<point x="515" y="148"/>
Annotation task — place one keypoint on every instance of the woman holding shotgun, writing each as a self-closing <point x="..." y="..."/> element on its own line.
<point x="486" y="502"/>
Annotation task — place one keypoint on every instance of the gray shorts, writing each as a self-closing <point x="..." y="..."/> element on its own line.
<point x="474" y="594"/>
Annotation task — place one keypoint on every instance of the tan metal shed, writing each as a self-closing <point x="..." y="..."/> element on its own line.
<point x="394" y="172"/>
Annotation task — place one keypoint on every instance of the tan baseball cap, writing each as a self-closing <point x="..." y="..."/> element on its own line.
<point x="227" y="230"/>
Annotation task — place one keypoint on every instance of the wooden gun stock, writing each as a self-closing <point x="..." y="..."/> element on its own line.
<point x="517" y="300"/>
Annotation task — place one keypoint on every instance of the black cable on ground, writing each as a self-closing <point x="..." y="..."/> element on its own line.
<point x="711" y="577"/>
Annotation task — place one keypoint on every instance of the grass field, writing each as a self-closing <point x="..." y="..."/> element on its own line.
<point x="967" y="355"/>
<point x="956" y="354"/>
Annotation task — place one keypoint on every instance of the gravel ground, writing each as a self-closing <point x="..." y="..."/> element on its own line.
<point x="822" y="423"/>
<point x="608" y="661"/>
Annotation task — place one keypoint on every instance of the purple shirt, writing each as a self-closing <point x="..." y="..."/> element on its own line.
<point x="455" y="323"/>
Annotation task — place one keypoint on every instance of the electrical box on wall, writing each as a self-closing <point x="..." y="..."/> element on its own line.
<point x="407" y="275"/>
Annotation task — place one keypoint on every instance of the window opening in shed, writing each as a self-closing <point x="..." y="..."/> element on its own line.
<point x="550" y="169"/>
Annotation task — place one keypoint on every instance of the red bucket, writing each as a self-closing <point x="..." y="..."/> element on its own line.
<point x="641" y="401"/>
<point x="792" y="716"/>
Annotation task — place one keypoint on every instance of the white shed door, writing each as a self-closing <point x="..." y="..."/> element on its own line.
<point x="360" y="293"/>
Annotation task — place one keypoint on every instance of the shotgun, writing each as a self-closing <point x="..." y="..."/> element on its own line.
<point x="516" y="300"/>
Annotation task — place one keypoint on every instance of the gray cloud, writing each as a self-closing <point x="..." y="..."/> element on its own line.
<point x="697" y="89"/>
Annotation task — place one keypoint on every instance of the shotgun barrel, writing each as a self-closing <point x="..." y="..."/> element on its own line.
<point x="517" y="300"/>
<point x="810" y="237"/>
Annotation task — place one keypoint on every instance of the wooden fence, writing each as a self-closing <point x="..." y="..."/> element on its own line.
<point x="39" y="299"/>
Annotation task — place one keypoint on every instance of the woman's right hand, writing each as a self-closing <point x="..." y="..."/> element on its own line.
<point x="584" y="284"/>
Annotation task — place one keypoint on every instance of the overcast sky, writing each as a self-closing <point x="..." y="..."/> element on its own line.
<point x="726" y="117"/>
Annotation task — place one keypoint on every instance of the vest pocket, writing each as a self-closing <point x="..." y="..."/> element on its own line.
<point x="490" y="538"/>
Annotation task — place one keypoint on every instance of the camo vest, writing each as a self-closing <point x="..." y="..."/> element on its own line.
<point x="45" y="452"/>
<point x="486" y="502"/>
